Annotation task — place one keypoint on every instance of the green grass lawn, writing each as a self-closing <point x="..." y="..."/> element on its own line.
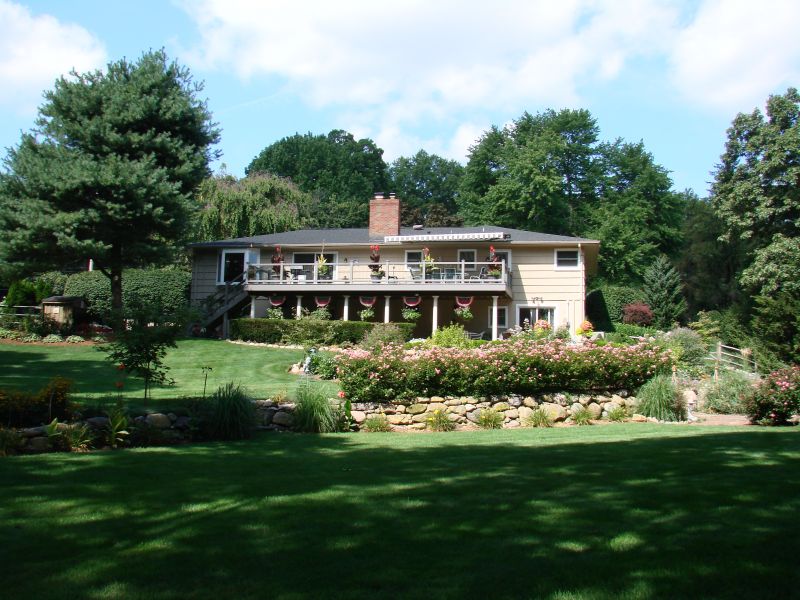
<point x="617" y="511"/>
<point x="262" y="370"/>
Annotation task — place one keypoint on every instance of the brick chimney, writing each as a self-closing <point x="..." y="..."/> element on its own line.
<point x="384" y="215"/>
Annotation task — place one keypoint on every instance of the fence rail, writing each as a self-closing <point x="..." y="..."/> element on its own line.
<point x="14" y="315"/>
<point x="729" y="357"/>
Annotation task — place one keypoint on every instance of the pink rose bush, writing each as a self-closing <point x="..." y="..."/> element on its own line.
<point x="520" y="366"/>
<point x="777" y="397"/>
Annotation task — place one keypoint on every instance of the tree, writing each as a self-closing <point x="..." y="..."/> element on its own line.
<point x="109" y="170"/>
<point x="340" y="172"/>
<point x="428" y="186"/>
<point x="255" y="205"/>
<point x="663" y="293"/>
<point x="756" y="191"/>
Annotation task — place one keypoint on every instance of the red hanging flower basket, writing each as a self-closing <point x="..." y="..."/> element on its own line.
<point x="367" y="301"/>
<point x="276" y="301"/>
<point x="412" y="301"/>
<point x="464" y="301"/>
<point x="322" y="301"/>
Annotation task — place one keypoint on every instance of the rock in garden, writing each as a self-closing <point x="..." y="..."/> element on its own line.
<point x="458" y="410"/>
<point x="159" y="420"/>
<point x="512" y="424"/>
<point x="501" y="406"/>
<point x="556" y="412"/>
<point x="437" y="406"/>
<point x="638" y="418"/>
<point x="172" y="417"/>
<point x="32" y="431"/>
<point x="98" y="422"/>
<point x="529" y="402"/>
<point x="400" y="408"/>
<point x="511" y="413"/>
<point x="515" y="401"/>
<point x="575" y="407"/>
<point x="183" y="423"/>
<point x="473" y="416"/>
<point x="524" y="412"/>
<point x="399" y="419"/>
<point x="420" y="418"/>
<point x="39" y="444"/>
<point x="609" y="406"/>
<point x="416" y="409"/>
<point x="437" y="399"/>
<point x="358" y="416"/>
<point x="631" y="402"/>
<point x="595" y="409"/>
<point x="282" y="418"/>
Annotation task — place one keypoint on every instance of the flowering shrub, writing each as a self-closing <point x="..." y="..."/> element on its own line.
<point x="637" y="313"/>
<point x="777" y="397"/>
<point x="586" y="328"/>
<point x="515" y="366"/>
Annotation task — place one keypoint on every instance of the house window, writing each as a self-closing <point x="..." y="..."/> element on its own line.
<point x="413" y="257"/>
<point x="567" y="259"/>
<point x="469" y="257"/>
<point x="306" y="260"/>
<point x="502" y="317"/>
<point x="232" y="263"/>
<point x="531" y="314"/>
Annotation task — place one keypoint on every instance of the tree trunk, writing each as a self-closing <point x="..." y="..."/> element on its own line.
<point x="116" y="299"/>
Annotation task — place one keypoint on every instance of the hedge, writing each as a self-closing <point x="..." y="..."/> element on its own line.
<point x="521" y="367"/>
<point x="305" y="331"/>
<point x="604" y="305"/>
<point x="167" y="289"/>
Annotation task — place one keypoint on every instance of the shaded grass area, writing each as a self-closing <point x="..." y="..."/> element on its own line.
<point x="621" y="511"/>
<point x="263" y="371"/>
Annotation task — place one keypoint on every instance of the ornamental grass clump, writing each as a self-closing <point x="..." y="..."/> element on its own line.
<point x="618" y="414"/>
<point x="490" y="419"/>
<point x="661" y="399"/>
<point x="582" y="416"/>
<point x="376" y="424"/>
<point x="439" y="421"/>
<point x="314" y="412"/>
<point x="729" y="395"/>
<point x="538" y="418"/>
<point x="229" y="414"/>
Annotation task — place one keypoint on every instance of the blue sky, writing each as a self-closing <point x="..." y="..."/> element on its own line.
<point x="432" y="75"/>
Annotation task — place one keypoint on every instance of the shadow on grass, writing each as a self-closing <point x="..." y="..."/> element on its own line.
<point x="697" y="514"/>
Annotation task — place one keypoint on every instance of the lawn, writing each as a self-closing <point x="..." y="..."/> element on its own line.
<point x="616" y="511"/>
<point x="263" y="370"/>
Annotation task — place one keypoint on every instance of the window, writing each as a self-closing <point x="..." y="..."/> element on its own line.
<point x="531" y="314"/>
<point x="308" y="259"/>
<point x="413" y="257"/>
<point x="469" y="257"/>
<point x="232" y="263"/>
<point x="568" y="259"/>
<point x="504" y="256"/>
<point x="502" y="317"/>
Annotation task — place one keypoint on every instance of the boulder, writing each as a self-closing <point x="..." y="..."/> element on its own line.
<point x="638" y="418"/>
<point x="32" y="432"/>
<point x="420" y="418"/>
<point x="513" y="423"/>
<point x="39" y="444"/>
<point x="97" y="422"/>
<point x="575" y="407"/>
<point x="595" y="409"/>
<point x="473" y="416"/>
<point x="400" y="408"/>
<point x="529" y="402"/>
<point x="515" y="401"/>
<point x="416" y="409"/>
<point x="609" y="406"/>
<point x="158" y="420"/>
<point x="501" y="406"/>
<point x="511" y="413"/>
<point x="283" y="418"/>
<point x="631" y="402"/>
<point x="458" y="410"/>
<point x="556" y="412"/>
<point x="399" y="419"/>
<point x="437" y="406"/>
<point x="183" y="423"/>
<point x="359" y="416"/>
<point x="524" y="412"/>
<point x="172" y="417"/>
<point x="437" y="400"/>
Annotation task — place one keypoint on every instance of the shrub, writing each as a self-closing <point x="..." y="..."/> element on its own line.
<point x="439" y="421"/>
<point x="323" y="364"/>
<point x="376" y="424"/>
<point x="606" y="303"/>
<point x="504" y="367"/>
<point x="582" y="416"/>
<point x="776" y="398"/>
<point x="26" y="409"/>
<point x="51" y="283"/>
<point x="10" y="334"/>
<point x="314" y="412"/>
<point x="305" y="331"/>
<point x="167" y="289"/>
<point x="77" y="437"/>
<point x="687" y="346"/>
<point x="663" y="293"/>
<point x="452" y="336"/>
<point x="21" y="293"/>
<point x="618" y="414"/>
<point x="31" y="338"/>
<point x="275" y="313"/>
<point x="637" y="314"/>
<point x="490" y="419"/>
<point x="660" y="398"/>
<point x="538" y="418"/>
<point x="53" y="338"/>
<point x="74" y="339"/>
<point x="383" y="334"/>
<point x="728" y="395"/>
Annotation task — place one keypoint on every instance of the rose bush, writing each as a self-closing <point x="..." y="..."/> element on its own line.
<point x="507" y="367"/>
<point x="777" y="397"/>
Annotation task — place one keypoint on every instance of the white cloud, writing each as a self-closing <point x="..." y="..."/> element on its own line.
<point x="35" y="50"/>
<point x="736" y="52"/>
<point x="399" y="64"/>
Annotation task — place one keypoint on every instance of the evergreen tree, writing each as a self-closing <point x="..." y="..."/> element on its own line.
<point x="663" y="292"/>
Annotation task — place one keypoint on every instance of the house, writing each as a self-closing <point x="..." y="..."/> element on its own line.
<point x="506" y="276"/>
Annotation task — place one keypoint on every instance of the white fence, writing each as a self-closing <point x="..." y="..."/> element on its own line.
<point x="728" y="357"/>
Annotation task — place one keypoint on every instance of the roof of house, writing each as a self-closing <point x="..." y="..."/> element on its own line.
<point x="361" y="236"/>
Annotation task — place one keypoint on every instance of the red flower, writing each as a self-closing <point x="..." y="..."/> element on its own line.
<point x="119" y="384"/>
<point x="341" y="394"/>
<point x="121" y="367"/>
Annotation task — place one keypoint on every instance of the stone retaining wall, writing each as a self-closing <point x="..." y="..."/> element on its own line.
<point x="463" y="410"/>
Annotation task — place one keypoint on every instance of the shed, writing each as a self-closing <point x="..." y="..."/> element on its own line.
<point x="64" y="310"/>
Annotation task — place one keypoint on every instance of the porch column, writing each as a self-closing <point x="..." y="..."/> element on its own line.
<point x="299" y="311"/>
<point x="494" y="317"/>
<point x="386" y="308"/>
<point x="435" y="315"/>
<point x="252" y="307"/>
<point x="346" y="309"/>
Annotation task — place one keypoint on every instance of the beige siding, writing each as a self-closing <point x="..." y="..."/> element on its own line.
<point x="204" y="274"/>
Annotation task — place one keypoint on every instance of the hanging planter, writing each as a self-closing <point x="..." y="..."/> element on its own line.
<point x="412" y="301"/>
<point x="464" y="301"/>
<point x="322" y="301"/>
<point x="277" y="260"/>
<point x="276" y="301"/>
<point x="368" y="301"/>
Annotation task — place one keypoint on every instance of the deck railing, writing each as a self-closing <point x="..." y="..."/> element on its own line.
<point x="385" y="272"/>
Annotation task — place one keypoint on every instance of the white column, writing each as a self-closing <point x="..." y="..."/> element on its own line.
<point x="346" y="310"/>
<point x="435" y="315"/>
<point x="494" y="317"/>
<point x="252" y="307"/>
<point x="386" y="309"/>
<point x="299" y="311"/>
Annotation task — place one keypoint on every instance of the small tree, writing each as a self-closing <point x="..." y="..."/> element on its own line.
<point x="663" y="292"/>
<point x="140" y="347"/>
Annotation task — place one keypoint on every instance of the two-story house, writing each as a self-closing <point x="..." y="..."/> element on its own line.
<point x="506" y="276"/>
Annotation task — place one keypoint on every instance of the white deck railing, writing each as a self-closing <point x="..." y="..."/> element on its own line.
<point x="456" y="273"/>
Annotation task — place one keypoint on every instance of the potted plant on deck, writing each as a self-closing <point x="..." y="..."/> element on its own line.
<point x="377" y="270"/>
